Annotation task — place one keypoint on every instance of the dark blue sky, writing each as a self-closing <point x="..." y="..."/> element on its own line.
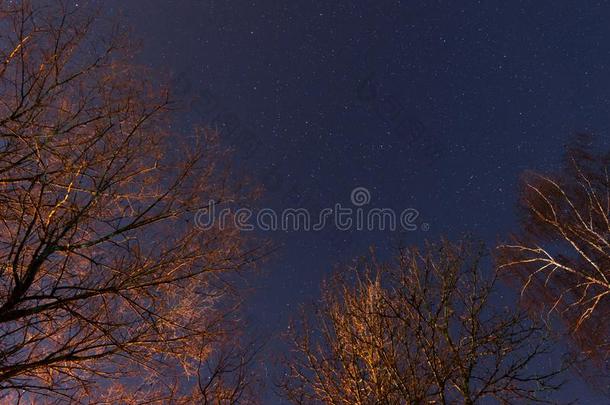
<point x="438" y="106"/>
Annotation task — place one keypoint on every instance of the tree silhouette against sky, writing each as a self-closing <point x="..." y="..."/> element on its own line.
<point x="425" y="328"/>
<point x="107" y="289"/>
<point x="561" y="256"/>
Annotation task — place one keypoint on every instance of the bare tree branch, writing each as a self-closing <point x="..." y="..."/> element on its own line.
<point x="107" y="290"/>
<point x="561" y="257"/>
<point x="421" y="329"/>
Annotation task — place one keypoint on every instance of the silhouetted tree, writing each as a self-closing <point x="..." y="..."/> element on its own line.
<point x="562" y="253"/>
<point x="421" y="329"/>
<point x="107" y="290"/>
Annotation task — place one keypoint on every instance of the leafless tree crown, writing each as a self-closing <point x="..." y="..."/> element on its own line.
<point x="422" y="329"/>
<point x="106" y="288"/>
<point x="561" y="257"/>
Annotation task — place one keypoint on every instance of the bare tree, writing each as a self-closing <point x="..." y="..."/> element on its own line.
<point x="422" y="329"/>
<point x="106" y="287"/>
<point x="562" y="254"/>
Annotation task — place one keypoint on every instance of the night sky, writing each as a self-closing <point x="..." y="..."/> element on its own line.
<point x="438" y="106"/>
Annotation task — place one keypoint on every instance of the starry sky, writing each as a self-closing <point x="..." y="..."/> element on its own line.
<point x="434" y="105"/>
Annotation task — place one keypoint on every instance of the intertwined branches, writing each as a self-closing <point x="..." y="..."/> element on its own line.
<point x="102" y="275"/>
<point x="422" y="329"/>
<point x="562" y="254"/>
